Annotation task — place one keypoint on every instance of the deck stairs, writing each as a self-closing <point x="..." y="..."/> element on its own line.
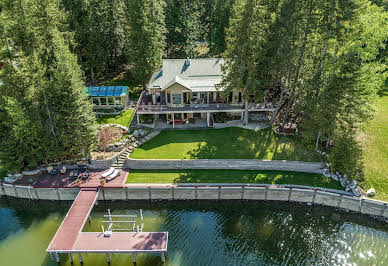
<point x="130" y="148"/>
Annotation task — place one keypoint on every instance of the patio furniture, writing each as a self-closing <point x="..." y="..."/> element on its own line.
<point x="63" y="169"/>
<point x="112" y="176"/>
<point x="51" y="170"/>
<point x="109" y="172"/>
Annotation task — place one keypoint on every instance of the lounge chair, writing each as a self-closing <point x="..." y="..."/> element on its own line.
<point x="63" y="170"/>
<point x="112" y="176"/>
<point x="109" y="172"/>
<point x="51" y="170"/>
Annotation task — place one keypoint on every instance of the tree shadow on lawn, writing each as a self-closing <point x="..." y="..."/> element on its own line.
<point x="253" y="145"/>
<point x="261" y="177"/>
<point x="233" y="143"/>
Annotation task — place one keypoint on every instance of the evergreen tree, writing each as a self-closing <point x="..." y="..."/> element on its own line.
<point x="46" y="116"/>
<point x="146" y="37"/>
<point x="219" y="22"/>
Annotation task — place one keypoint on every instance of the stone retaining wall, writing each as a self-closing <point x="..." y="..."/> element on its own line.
<point x="291" y="193"/>
<point x="308" y="167"/>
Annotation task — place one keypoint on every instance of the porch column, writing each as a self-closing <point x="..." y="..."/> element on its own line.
<point x="242" y="115"/>
<point x="208" y="97"/>
<point x="153" y="98"/>
<point x="137" y="116"/>
<point x="208" y="119"/>
<point x="173" y="121"/>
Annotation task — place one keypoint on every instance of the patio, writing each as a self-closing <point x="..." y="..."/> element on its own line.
<point x="65" y="180"/>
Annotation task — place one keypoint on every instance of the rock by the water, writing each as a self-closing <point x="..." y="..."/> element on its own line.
<point x="371" y="192"/>
<point x="353" y="184"/>
<point x="343" y="182"/>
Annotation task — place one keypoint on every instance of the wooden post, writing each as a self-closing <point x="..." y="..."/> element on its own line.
<point x="163" y="258"/>
<point x="137" y="116"/>
<point x="70" y="258"/>
<point x="107" y="257"/>
<point x="134" y="258"/>
<point x="80" y="258"/>
<point x="208" y="119"/>
<point x="173" y="120"/>
<point x="57" y="257"/>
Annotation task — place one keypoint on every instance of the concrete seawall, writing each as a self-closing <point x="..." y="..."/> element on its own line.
<point x="232" y="164"/>
<point x="291" y="193"/>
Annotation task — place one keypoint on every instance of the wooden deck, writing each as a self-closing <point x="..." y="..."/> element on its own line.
<point x="121" y="242"/>
<point x="70" y="238"/>
<point x="74" y="221"/>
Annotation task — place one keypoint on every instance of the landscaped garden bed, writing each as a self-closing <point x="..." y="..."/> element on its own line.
<point x="226" y="143"/>
<point x="231" y="176"/>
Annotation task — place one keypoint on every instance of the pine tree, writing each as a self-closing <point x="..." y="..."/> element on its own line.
<point x="46" y="116"/>
<point x="146" y="37"/>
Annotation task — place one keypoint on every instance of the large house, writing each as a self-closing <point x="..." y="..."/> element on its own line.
<point x="186" y="90"/>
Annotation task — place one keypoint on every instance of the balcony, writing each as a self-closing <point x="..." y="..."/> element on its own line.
<point x="201" y="108"/>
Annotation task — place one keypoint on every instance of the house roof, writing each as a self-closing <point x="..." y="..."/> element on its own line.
<point x="202" y="74"/>
<point x="106" y="91"/>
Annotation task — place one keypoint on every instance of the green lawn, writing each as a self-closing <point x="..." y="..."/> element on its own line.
<point x="231" y="176"/>
<point x="376" y="150"/>
<point x="124" y="118"/>
<point x="227" y="143"/>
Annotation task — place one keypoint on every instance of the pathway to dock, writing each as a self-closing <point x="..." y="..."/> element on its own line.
<point x="70" y="239"/>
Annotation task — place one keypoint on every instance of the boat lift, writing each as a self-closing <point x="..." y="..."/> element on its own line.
<point x="115" y="225"/>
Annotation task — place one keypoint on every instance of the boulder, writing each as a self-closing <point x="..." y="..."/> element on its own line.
<point x="343" y="182"/>
<point x="110" y="147"/>
<point x="117" y="149"/>
<point x="371" y="192"/>
<point x="335" y="177"/>
<point x="347" y="189"/>
<point x="353" y="184"/>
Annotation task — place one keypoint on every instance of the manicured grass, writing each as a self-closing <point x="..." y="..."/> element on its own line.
<point x="227" y="143"/>
<point x="124" y="118"/>
<point x="231" y="176"/>
<point x="376" y="150"/>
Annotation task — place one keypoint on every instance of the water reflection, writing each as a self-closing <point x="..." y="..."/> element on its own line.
<point x="203" y="233"/>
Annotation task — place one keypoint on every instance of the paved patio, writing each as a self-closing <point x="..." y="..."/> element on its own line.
<point x="66" y="181"/>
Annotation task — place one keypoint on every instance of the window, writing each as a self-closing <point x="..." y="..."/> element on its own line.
<point x="118" y="100"/>
<point x="230" y="98"/>
<point x="95" y="101"/>
<point x="185" y="97"/>
<point x="204" y="97"/>
<point x="103" y="101"/>
<point x="110" y="101"/>
<point x="168" y="98"/>
<point x="177" y="98"/>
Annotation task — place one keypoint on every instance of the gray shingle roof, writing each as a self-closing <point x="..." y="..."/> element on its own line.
<point x="200" y="74"/>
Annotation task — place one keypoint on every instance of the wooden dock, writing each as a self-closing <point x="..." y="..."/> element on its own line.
<point x="70" y="239"/>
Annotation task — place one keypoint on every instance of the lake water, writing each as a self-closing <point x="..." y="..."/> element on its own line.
<point x="207" y="233"/>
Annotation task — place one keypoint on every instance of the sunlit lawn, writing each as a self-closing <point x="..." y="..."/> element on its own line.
<point x="231" y="176"/>
<point x="376" y="150"/>
<point x="227" y="143"/>
<point x="124" y="118"/>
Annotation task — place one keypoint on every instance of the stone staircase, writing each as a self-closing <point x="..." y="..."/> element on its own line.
<point x="130" y="148"/>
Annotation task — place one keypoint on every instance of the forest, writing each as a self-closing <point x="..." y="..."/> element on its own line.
<point x="323" y="62"/>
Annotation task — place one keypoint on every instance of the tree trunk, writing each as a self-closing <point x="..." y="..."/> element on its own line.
<point x="316" y="143"/>
<point x="278" y="106"/>
<point x="246" y="115"/>
<point x="92" y="75"/>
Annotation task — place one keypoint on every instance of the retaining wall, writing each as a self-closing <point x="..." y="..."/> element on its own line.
<point x="291" y="193"/>
<point x="308" y="167"/>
